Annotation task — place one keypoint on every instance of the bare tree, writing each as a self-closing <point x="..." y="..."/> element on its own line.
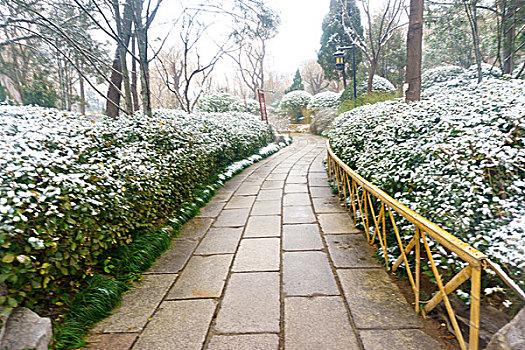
<point x="184" y="72"/>
<point x="414" y="51"/>
<point x="373" y="40"/>
<point x="313" y="75"/>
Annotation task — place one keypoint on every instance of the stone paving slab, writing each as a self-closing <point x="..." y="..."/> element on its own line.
<point x="325" y="205"/>
<point x="195" y="228"/>
<point x="223" y="195"/>
<point x="113" y="341"/>
<point x="351" y="251"/>
<point x="137" y="305"/>
<point x="302" y="237"/>
<point x="295" y="199"/>
<point x="212" y="209"/>
<point x="318" y="323"/>
<point x="181" y="324"/>
<point x="258" y="254"/>
<point x="406" y="339"/>
<point x="220" y="240"/>
<point x="263" y="226"/>
<point x="232" y="218"/>
<point x="294" y="188"/>
<point x="266" y="208"/>
<point x="174" y="259"/>
<point x="298" y="215"/>
<point x="244" y="342"/>
<point x="247" y="190"/>
<point x="317" y="192"/>
<point x="251" y="304"/>
<point x="375" y="301"/>
<point x="296" y="179"/>
<point x="308" y="274"/>
<point x="336" y="223"/>
<point x="203" y="277"/>
<point x="272" y="185"/>
<point x="268" y="195"/>
<point x="240" y="202"/>
<point x="274" y="176"/>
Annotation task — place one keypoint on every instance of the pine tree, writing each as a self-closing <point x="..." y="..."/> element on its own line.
<point x="334" y="36"/>
<point x="297" y="83"/>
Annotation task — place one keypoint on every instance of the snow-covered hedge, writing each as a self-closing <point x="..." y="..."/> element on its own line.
<point x="295" y="104"/>
<point x="324" y="100"/>
<point x="439" y="75"/>
<point x="224" y="102"/>
<point x="71" y="188"/>
<point x="379" y="84"/>
<point x="449" y="79"/>
<point x="456" y="158"/>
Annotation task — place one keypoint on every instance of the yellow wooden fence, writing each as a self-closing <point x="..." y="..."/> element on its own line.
<point x="358" y="195"/>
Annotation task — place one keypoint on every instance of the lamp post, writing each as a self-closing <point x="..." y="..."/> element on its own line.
<point x="340" y="65"/>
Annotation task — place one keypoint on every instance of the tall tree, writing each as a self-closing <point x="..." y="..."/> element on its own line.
<point x="373" y="41"/>
<point x="334" y="35"/>
<point x="297" y="83"/>
<point x="414" y="50"/>
<point x="313" y="76"/>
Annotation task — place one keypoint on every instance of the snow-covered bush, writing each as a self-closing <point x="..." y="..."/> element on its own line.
<point x="295" y="104"/>
<point x="324" y="100"/>
<point x="224" y="102"/>
<point x="71" y="188"/>
<point x="379" y="84"/>
<point x="322" y="121"/>
<point x="487" y="70"/>
<point x="456" y="158"/>
<point x="439" y="75"/>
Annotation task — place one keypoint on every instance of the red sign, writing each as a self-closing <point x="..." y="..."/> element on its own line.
<point x="262" y="104"/>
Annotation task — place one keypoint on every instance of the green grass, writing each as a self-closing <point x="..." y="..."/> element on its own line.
<point x="367" y="98"/>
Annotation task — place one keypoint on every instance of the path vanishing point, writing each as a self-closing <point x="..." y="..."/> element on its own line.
<point x="272" y="262"/>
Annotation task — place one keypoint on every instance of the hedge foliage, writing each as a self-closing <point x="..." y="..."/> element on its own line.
<point x="72" y="188"/>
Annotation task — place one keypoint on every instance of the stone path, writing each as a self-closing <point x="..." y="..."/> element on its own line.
<point x="272" y="262"/>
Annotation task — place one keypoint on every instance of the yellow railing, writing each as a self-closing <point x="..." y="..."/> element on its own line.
<point x="357" y="194"/>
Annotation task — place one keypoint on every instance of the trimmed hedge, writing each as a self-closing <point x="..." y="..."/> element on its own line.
<point x="71" y="188"/>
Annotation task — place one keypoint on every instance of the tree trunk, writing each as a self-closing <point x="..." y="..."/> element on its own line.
<point x="471" y="10"/>
<point x="82" y="95"/>
<point x="509" y="29"/>
<point x="134" y="88"/>
<point x="114" y="90"/>
<point x="414" y="51"/>
<point x="142" y="44"/>
<point x="373" y="67"/>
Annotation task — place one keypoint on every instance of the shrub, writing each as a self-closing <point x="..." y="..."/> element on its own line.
<point x="439" y="75"/>
<point x="456" y="158"/>
<point x="323" y="100"/>
<point x="73" y="188"/>
<point x="379" y="84"/>
<point x="365" y="99"/>
<point x="224" y="102"/>
<point x="295" y="104"/>
<point x="322" y="121"/>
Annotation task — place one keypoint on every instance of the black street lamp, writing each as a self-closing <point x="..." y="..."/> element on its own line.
<point x="340" y="65"/>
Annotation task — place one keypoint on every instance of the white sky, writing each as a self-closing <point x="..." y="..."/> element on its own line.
<point x="299" y="35"/>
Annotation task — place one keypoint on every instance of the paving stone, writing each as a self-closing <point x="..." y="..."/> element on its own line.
<point x="298" y="172"/>
<point x="281" y="170"/>
<point x="259" y="254"/>
<point x="240" y="202"/>
<point x="174" y="259"/>
<point x="247" y="189"/>
<point x="296" y="179"/>
<point x="350" y="251"/>
<point x="318" y="183"/>
<point x="113" y="341"/>
<point x="212" y="209"/>
<point x="407" y="339"/>
<point x="318" y="323"/>
<point x="137" y="305"/>
<point x="321" y="192"/>
<point x="268" y="195"/>
<point x="220" y="240"/>
<point x="272" y="185"/>
<point x="232" y="218"/>
<point x="298" y="215"/>
<point x="336" y="223"/>
<point x="181" y="324"/>
<point x="195" y="228"/>
<point x="254" y="179"/>
<point x="266" y="207"/>
<point x="327" y="205"/>
<point x="301" y="237"/>
<point x="274" y="176"/>
<point x="251" y="304"/>
<point x="203" y="277"/>
<point x="317" y="175"/>
<point x="375" y="301"/>
<point x="294" y="188"/>
<point x="263" y="226"/>
<point x="294" y="199"/>
<point x="223" y="195"/>
<point x="244" y="342"/>
<point x="308" y="274"/>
